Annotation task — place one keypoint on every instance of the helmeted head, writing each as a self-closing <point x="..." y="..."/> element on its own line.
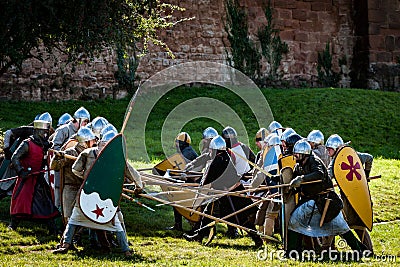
<point x="82" y="116"/>
<point x="301" y="150"/>
<point x="273" y="126"/>
<point x="182" y="140"/>
<point x="274" y="140"/>
<point x="46" y="117"/>
<point x="64" y="119"/>
<point x="230" y="136"/>
<point x="106" y="138"/>
<point x="183" y="137"/>
<point x="290" y="141"/>
<point x="209" y="133"/>
<point x="217" y="144"/>
<point x="41" y="130"/>
<point x="108" y="128"/>
<point x="260" y="137"/>
<point x="97" y="125"/>
<point x="85" y="137"/>
<point x="333" y="143"/>
<point x="315" y="138"/>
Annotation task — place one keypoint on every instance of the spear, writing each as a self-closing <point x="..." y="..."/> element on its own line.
<point x="212" y="217"/>
<point x="136" y="201"/>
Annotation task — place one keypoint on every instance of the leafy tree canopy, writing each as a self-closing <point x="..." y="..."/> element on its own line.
<point x="78" y="27"/>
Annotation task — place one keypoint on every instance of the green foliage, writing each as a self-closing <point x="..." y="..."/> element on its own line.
<point x="127" y="63"/>
<point x="78" y="28"/>
<point x="243" y="55"/>
<point x="326" y="76"/>
<point x="272" y="47"/>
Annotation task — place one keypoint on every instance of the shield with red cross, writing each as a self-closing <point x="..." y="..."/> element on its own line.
<point x="350" y="176"/>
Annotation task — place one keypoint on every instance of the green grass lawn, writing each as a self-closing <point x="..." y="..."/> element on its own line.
<point x="370" y="119"/>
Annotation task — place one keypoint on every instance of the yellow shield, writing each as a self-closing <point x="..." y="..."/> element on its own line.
<point x="287" y="161"/>
<point x="350" y="176"/>
<point x="176" y="162"/>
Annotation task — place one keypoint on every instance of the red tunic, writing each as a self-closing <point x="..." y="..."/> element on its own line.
<point x="33" y="199"/>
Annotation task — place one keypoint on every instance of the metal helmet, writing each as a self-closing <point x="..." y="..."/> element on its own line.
<point x="108" y="128"/>
<point x="229" y="132"/>
<point x="286" y="134"/>
<point x="108" y="136"/>
<point x="41" y="125"/>
<point x="302" y="147"/>
<point x="209" y="133"/>
<point x="316" y="137"/>
<point x="82" y="114"/>
<point x="261" y="134"/>
<point x="273" y="126"/>
<point x="218" y="143"/>
<point x="84" y="134"/>
<point x="64" y="118"/>
<point x="184" y="137"/>
<point x="292" y="139"/>
<point x="46" y="117"/>
<point x="274" y="140"/>
<point x="334" y="141"/>
<point x="98" y="124"/>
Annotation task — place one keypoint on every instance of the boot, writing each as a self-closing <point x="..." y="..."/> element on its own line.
<point x="232" y="232"/>
<point x="178" y="222"/>
<point x="191" y="238"/>
<point x="294" y="247"/>
<point x="63" y="249"/>
<point x="176" y="227"/>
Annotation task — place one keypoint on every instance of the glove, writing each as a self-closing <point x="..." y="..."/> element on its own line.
<point x="24" y="173"/>
<point x="138" y="191"/>
<point x="7" y="153"/>
<point x="296" y="181"/>
<point x="367" y="175"/>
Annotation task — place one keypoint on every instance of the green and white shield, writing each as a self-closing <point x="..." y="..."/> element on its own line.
<point x="101" y="190"/>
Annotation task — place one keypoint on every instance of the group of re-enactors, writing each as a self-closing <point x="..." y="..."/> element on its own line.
<point x="70" y="151"/>
<point x="224" y="155"/>
<point x="221" y="156"/>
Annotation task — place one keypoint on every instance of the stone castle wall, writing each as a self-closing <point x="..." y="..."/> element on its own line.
<point x="365" y="33"/>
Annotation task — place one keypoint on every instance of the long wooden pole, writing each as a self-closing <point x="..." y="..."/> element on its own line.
<point x="211" y="217"/>
<point x="128" y="114"/>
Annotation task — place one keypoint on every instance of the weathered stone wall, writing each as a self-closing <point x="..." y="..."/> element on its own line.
<point x="366" y="33"/>
<point x="384" y="44"/>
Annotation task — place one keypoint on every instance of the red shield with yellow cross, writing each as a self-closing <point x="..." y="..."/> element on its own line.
<point x="350" y="176"/>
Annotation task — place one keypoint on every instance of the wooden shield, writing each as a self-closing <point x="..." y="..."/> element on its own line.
<point x="175" y="194"/>
<point x="176" y="162"/>
<point x="100" y="193"/>
<point x="350" y="176"/>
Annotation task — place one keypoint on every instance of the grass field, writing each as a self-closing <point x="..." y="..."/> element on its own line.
<point x="370" y="119"/>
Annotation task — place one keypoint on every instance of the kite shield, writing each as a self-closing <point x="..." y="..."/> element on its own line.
<point x="101" y="190"/>
<point x="350" y="176"/>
